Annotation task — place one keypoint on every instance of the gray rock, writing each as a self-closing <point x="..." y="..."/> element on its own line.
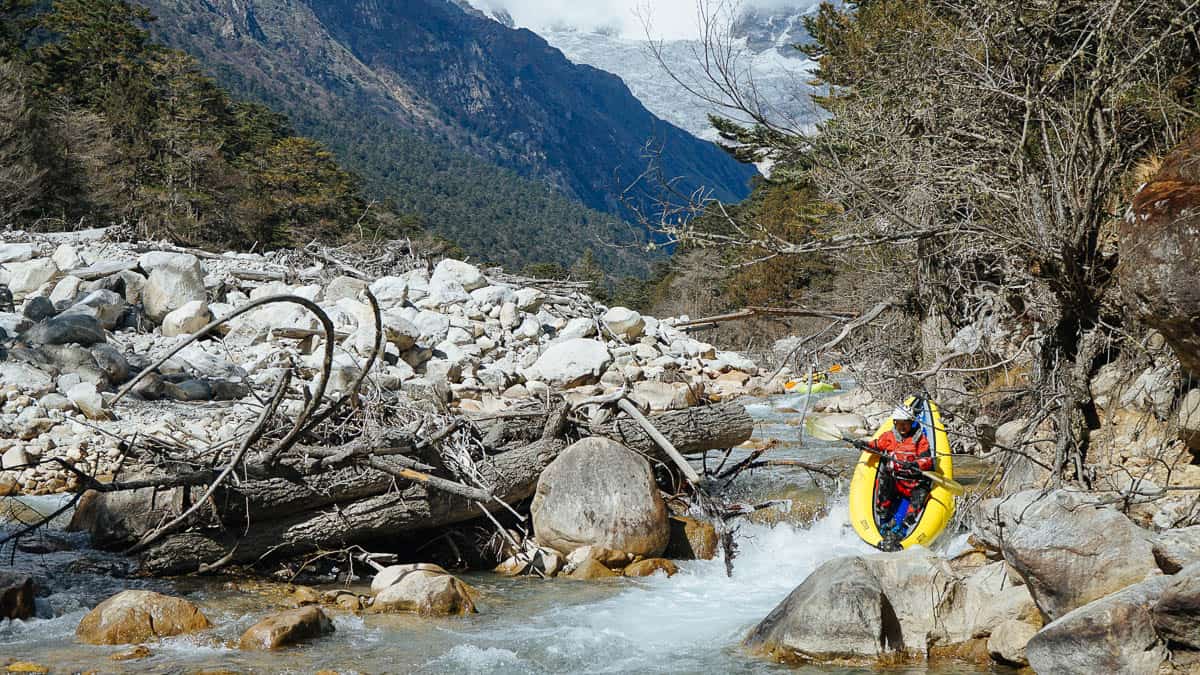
<point x="449" y="273"/>
<point x="66" y="257"/>
<point x="39" y="308"/>
<point x="1068" y="550"/>
<point x="624" y="323"/>
<point x="579" y="327"/>
<point x="349" y="287"/>
<point x="13" y="253"/>
<point x="66" y="329"/>
<point x="529" y="299"/>
<point x="27" y="277"/>
<point x="570" y="363"/>
<point x="1007" y="642"/>
<point x="1189" y="419"/>
<point x="66" y="290"/>
<point x="188" y="319"/>
<point x="111" y="362"/>
<point x="838" y="612"/>
<point x="87" y="400"/>
<point x="106" y="306"/>
<point x="598" y="492"/>
<point x="1113" y="634"/>
<point x="175" y="280"/>
<point x="433" y="326"/>
<point x="1177" y="613"/>
<point x="1176" y="549"/>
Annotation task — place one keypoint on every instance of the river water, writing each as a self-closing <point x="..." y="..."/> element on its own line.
<point x="690" y="623"/>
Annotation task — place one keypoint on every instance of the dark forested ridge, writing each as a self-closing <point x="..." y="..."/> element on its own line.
<point x="100" y="125"/>
<point x="425" y="101"/>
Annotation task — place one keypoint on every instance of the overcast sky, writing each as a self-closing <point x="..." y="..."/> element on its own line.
<point x="669" y="19"/>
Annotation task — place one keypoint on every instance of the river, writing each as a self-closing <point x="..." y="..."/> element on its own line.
<point x="690" y="623"/>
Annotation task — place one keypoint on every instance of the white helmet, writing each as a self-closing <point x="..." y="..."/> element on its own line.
<point x="902" y="412"/>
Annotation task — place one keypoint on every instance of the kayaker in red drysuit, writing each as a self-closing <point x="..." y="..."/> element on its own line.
<point x="902" y="490"/>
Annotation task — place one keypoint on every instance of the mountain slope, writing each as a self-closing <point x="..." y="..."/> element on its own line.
<point x="391" y="84"/>
<point x="766" y="62"/>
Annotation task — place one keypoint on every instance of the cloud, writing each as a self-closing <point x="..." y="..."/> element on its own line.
<point x="668" y="19"/>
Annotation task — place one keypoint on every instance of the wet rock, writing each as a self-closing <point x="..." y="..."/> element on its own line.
<point x="39" y="308"/>
<point x="175" y="280"/>
<point x="1007" y="642"/>
<point x="26" y="667"/>
<point x="1177" y="613"/>
<point x="691" y="539"/>
<point x="649" y="566"/>
<point x="1068" y="550"/>
<point x="535" y="561"/>
<point x="600" y="493"/>
<point x="1114" y="634"/>
<point x="66" y="329"/>
<point x="130" y="617"/>
<point x="188" y="319"/>
<point x="421" y="588"/>
<point x="16" y="596"/>
<point x="838" y="612"/>
<point x="1176" y="549"/>
<point x="138" y="652"/>
<point x="286" y="628"/>
<point x="590" y="570"/>
<point x="304" y="595"/>
<point x="571" y="363"/>
<point x="612" y="559"/>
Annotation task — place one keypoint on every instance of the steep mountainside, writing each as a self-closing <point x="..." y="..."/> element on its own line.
<point x="766" y="62"/>
<point x="380" y="80"/>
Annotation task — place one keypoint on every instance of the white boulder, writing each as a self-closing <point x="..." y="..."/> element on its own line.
<point x="570" y="363"/>
<point x="186" y="320"/>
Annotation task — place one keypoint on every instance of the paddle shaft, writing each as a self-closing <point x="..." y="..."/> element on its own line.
<point x="954" y="487"/>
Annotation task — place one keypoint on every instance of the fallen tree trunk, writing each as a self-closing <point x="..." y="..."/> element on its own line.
<point x="310" y="506"/>
<point x="513" y="476"/>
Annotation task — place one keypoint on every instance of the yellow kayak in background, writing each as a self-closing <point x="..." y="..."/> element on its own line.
<point x="940" y="507"/>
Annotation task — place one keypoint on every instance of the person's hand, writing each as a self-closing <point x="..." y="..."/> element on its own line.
<point x="907" y="469"/>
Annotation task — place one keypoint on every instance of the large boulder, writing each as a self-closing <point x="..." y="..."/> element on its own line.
<point x="1068" y="549"/>
<point x="624" y="323"/>
<point x="1007" y="642"/>
<point x="570" y="363"/>
<point x="1114" y="634"/>
<point x="597" y="492"/>
<point x="26" y="278"/>
<point x="286" y="628"/>
<point x="16" y="595"/>
<point x="692" y="539"/>
<point x="838" y="612"/>
<point x="1160" y="253"/>
<point x="1177" y="614"/>
<point x="130" y="617"/>
<point x="66" y="329"/>
<point x="175" y="280"/>
<point x="423" y="589"/>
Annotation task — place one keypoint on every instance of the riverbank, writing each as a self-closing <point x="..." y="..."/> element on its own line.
<point x="693" y="621"/>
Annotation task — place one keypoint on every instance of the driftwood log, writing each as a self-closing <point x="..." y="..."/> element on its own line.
<point x="330" y="498"/>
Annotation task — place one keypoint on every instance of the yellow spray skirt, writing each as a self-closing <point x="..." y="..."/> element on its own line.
<point x="938" y="511"/>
